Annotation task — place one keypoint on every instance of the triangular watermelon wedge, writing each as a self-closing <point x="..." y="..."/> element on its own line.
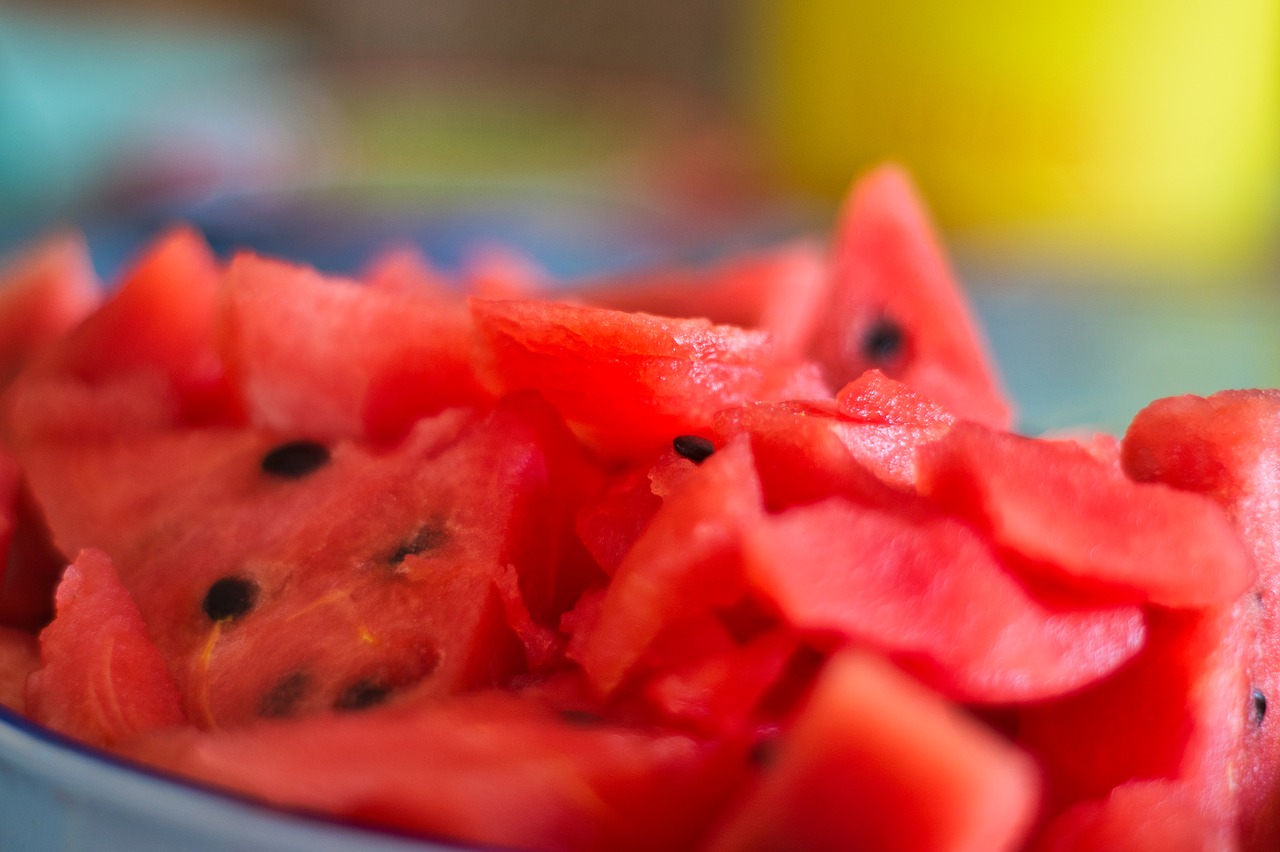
<point x="894" y="304"/>
<point x="101" y="680"/>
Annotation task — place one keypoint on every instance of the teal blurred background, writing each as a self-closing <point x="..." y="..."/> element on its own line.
<point x="1105" y="172"/>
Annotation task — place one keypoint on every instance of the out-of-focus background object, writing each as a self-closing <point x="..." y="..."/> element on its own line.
<point x="1105" y="172"/>
<point x="1138" y="135"/>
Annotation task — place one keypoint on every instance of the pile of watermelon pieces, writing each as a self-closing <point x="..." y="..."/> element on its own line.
<point x="734" y="558"/>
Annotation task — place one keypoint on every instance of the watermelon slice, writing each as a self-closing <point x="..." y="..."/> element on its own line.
<point x="875" y="761"/>
<point x="894" y="305"/>
<point x="629" y="383"/>
<point x="1143" y="542"/>
<point x="371" y="574"/>
<point x="101" y="679"/>
<point x="44" y="292"/>
<point x="330" y="359"/>
<point x="498" y="769"/>
<point x="1225" y="447"/>
<point x="904" y="585"/>
<point x="145" y="361"/>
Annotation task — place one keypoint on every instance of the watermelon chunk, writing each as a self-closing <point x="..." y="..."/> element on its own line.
<point x="905" y="585"/>
<point x="685" y="565"/>
<point x="780" y="291"/>
<point x="44" y="293"/>
<point x="894" y="305"/>
<point x="144" y="361"/>
<point x="381" y="565"/>
<point x="1177" y="712"/>
<point x="802" y="454"/>
<point x="330" y="359"/>
<point x="629" y="383"/>
<point x="19" y="657"/>
<point x="101" y="679"/>
<point x="498" y="769"/>
<point x="1225" y="447"/>
<point x="875" y="761"/>
<point x="1083" y="522"/>
<point x="1140" y="816"/>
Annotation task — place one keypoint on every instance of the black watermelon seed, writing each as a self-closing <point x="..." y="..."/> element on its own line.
<point x="884" y="342"/>
<point x="582" y="718"/>
<point x="693" y="447"/>
<point x="229" y="598"/>
<point x="362" y="694"/>
<point x="1257" y="707"/>
<point x="431" y="536"/>
<point x="282" y="699"/>
<point x="764" y="751"/>
<point x="295" y="459"/>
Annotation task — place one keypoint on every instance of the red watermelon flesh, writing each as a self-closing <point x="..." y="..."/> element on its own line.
<point x="497" y="271"/>
<point x="1226" y="447"/>
<point x="101" y="679"/>
<point x="650" y="616"/>
<point x="721" y="690"/>
<point x="1177" y="712"/>
<point x="1082" y="522"/>
<point x="359" y="579"/>
<point x="19" y="657"/>
<point x="780" y="291"/>
<point x="1140" y="816"/>
<point x="497" y="769"/>
<point x="330" y="359"/>
<point x="895" y="305"/>
<point x="31" y="564"/>
<point x="609" y="524"/>
<point x="685" y="565"/>
<point x="875" y="761"/>
<point x="802" y="454"/>
<point x="629" y="383"/>
<point x="407" y="271"/>
<point x="144" y="361"/>
<point x="908" y="586"/>
<point x="873" y="397"/>
<point x="863" y="444"/>
<point x="44" y="292"/>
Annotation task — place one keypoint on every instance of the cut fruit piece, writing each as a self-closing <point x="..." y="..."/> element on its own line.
<point x="495" y="769"/>
<point x="101" y="679"/>
<point x="629" y="383"/>
<point x="909" y="586"/>
<point x="330" y="359"/>
<point x="875" y="761"/>
<point x="894" y="305"/>
<point x="1082" y="522"/>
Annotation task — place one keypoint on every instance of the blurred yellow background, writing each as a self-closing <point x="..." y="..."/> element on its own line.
<point x="1125" y="131"/>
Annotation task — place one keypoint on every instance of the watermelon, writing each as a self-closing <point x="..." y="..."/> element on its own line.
<point x="629" y="382"/>
<point x="19" y="657"/>
<point x="382" y="566"/>
<point x="146" y="360"/>
<point x="502" y="769"/>
<point x="875" y="761"/>
<point x="44" y="292"/>
<point x="728" y="558"/>
<point x="118" y="684"/>
<point x="1224" y="447"/>
<point x="375" y="385"/>
<point x="894" y="305"/>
